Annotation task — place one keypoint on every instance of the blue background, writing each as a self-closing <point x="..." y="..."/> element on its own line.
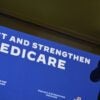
<point x="24" y="77"/>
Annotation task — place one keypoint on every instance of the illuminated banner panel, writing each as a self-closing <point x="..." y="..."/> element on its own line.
<point x="33" y="68"/>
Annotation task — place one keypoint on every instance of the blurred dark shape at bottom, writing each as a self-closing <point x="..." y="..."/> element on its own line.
<point x="95" y="76"/>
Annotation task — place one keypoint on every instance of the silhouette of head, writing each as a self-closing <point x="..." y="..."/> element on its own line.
<point x="95" y="74"/>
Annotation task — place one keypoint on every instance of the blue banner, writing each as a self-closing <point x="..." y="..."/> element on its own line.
<point x="32" y="68"/>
